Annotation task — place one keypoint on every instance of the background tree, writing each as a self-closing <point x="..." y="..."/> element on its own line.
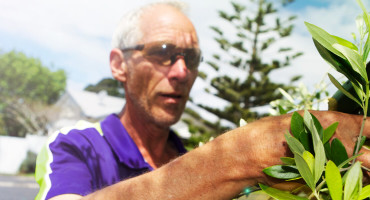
<point x="244" y="40"/>
<point x="112" y="86"/>
<point x="27" y="90"/>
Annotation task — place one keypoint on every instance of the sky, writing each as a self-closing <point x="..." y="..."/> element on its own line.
<point x="75" y="35"/>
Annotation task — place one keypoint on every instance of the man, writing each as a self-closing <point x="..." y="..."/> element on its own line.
<point x="156" y="55"/>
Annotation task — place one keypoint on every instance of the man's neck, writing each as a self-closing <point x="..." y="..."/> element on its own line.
<point x="151" y="139"/>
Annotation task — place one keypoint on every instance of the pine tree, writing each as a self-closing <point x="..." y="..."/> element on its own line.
<point x="112" y="86"/>
<point x="255" y="30"/>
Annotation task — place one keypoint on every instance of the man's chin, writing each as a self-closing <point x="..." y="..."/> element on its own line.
<point x="168" y="122"/>
<point x="168" y="119"/>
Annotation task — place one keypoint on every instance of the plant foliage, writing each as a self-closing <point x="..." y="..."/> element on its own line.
<point x="324" y="173"/>
<point x="246" y="35"/>
<point x="27" y="89"/>
<point x="323" y="165"/>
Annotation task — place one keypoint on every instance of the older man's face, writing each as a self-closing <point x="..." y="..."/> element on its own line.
<point x="155" y="88"/>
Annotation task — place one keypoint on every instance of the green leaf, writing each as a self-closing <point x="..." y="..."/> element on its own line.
<point x="311" y="122"/>
<point x="365" y="192"/>
<point x="362" y="26"/>
<point x="339" y="86"/>
<point x="318" y="126"/>
<point x="327" y="150"/>
<point x="282" y="111"/>
<point x="352" y="180"/>
<point x="345" y="43"/>
<point x="329" y="132"/>
<point x="327" y="55"/>
<point x="320" y="158"/>
<point x="294" y="145"/>
<point x="358" y="89"/>
<point x="307" y="118"/>
<point x="288" y="160"/>
<point x="306" y="140"/>
<point x="349" y="160"/>
<point x="324" y="38"/>
<point x="339" y="64"/>
<point x="305" y="171"/>
<point x="354" y="58"/>
<point x="366" y="18"/>
<point x="286" y="95"/>
<point x="310" y="160"/>
<point x="366" y="49"/>
<point x="358" y="186"/>
<point x="282" y="171"/>
<point x="296" y="125"/>
<point x="259" y="194"/>
<point x="334" y="180"/>
<point x="338" y="152"/>
<point x="280" y="195"/>
<point x="314" y="126"/>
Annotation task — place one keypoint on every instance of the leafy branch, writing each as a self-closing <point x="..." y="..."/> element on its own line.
<point x="325" y="166"/>
<point x="348" y="59"/>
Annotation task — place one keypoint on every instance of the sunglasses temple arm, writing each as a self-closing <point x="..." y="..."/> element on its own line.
<point x="137" y="47"/>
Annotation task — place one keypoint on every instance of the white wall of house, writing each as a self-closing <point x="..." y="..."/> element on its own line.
<point x="13" y="151"/>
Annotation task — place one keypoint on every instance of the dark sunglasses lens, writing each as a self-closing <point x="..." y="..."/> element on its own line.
<point x="192" y="58"/>
<point x="166" y="54"/>
<point x="159" y="52"/>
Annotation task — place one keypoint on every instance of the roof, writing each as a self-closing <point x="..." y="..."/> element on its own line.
<point x="95" y="105"/>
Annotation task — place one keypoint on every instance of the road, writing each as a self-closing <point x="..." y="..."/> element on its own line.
<point x="17" y="187"/>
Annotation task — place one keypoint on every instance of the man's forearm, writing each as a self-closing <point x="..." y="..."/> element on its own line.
<point x="222" y="168"/>
<point x="211" y="172"/>
<point x="218" y="170"/>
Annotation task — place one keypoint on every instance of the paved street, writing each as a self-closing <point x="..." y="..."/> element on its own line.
<point x="17" y="187"/>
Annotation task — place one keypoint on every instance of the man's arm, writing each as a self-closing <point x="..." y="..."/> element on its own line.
<point x="222" y="168"/>
<point x="67" y="197"/>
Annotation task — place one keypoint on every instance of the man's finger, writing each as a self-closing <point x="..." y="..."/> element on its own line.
<point x="365" y="158"/>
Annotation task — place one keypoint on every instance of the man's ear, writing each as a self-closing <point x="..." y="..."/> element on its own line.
<point x="118" y="65"/>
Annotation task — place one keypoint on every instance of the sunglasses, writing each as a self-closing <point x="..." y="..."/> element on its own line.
<point x="167" y="54"/>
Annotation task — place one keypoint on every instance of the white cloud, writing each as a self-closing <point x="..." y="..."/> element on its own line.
<point x="337" y="19"/>
<point x="78" y="33"/>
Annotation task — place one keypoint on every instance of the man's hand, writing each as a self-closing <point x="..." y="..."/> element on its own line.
<point x="263" y="141"/>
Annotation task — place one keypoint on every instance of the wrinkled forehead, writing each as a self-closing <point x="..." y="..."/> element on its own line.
<point x="164" y="23"/>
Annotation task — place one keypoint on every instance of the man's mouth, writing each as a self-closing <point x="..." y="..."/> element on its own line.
<point x="172" y="98"/>
<point x="175" y="96"/>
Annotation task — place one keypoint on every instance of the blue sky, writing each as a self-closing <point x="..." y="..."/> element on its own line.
<point x="74" y="35"/>
<point x="302" y="4"/>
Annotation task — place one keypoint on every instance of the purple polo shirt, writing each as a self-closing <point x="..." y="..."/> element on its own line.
<point x="81" y="161"/>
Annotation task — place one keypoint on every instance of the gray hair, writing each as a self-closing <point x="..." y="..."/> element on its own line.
<point x="128" y="31"/>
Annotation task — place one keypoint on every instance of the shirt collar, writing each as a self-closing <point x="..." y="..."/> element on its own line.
<point x="125" y="148"/>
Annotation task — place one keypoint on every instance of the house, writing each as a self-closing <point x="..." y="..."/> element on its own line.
<point x="75" y="105"/>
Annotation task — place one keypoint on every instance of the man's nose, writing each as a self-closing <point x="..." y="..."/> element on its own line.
<point x="178" y="69"/>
